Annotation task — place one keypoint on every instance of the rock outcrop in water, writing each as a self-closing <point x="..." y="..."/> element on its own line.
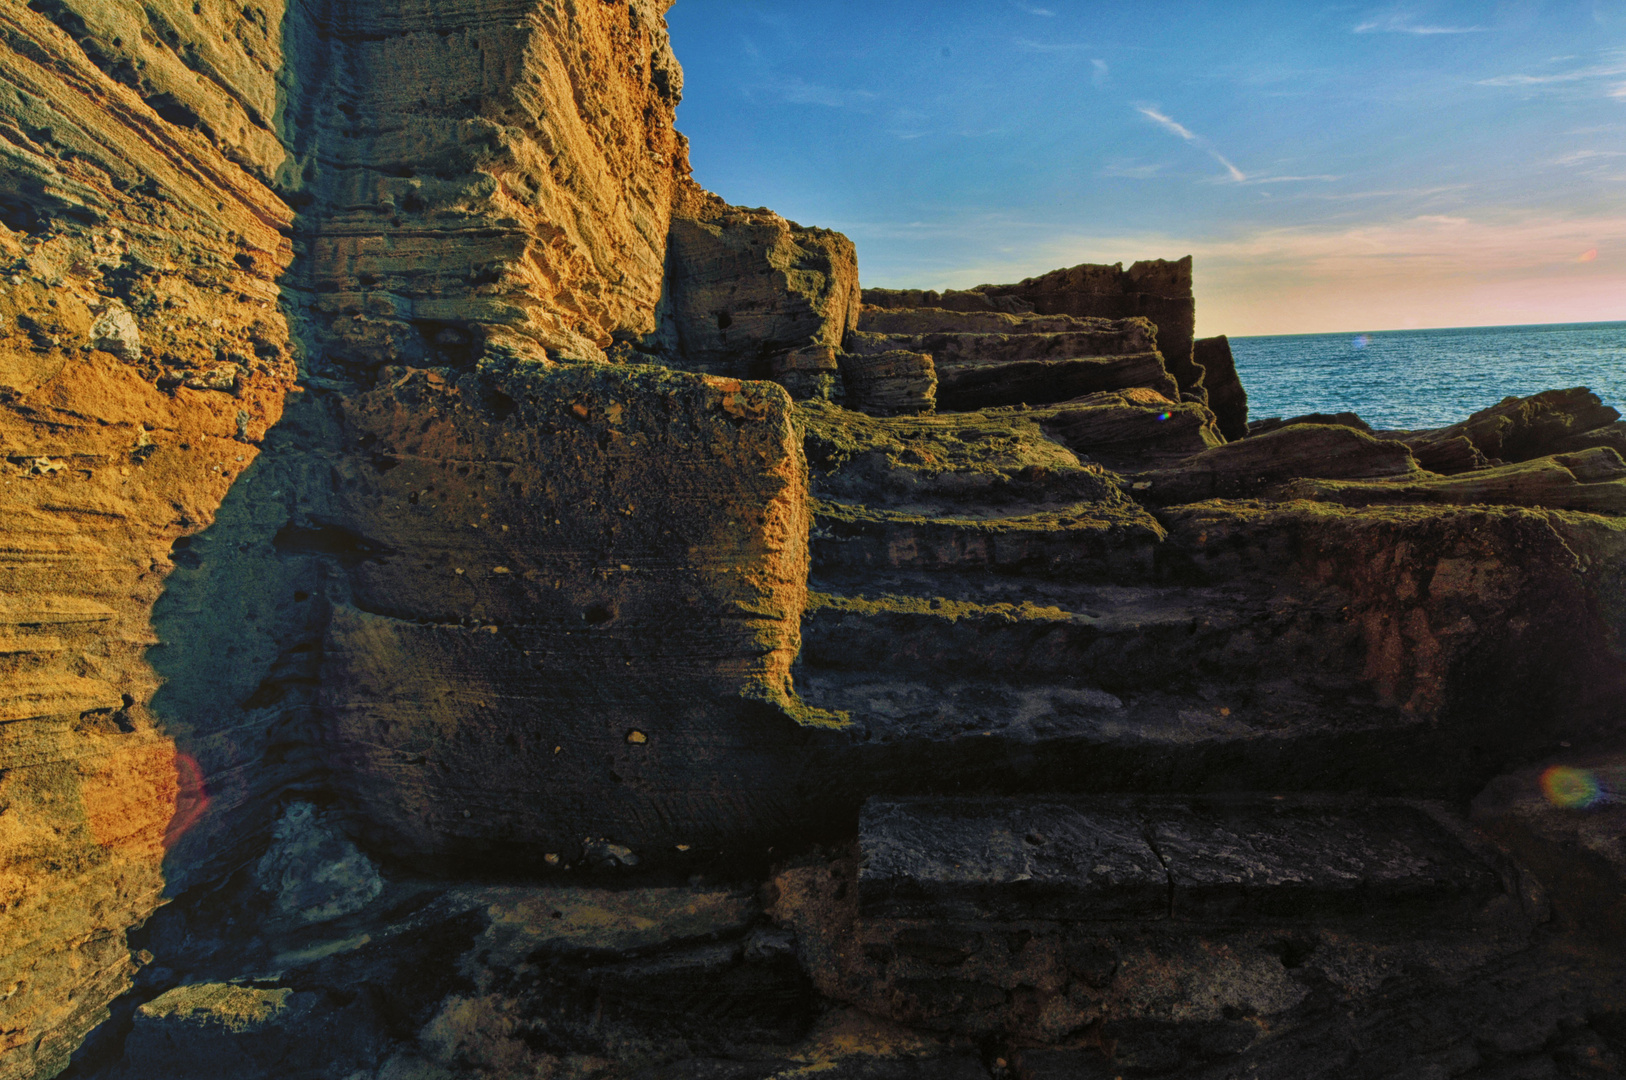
<point x="528" y="617"/>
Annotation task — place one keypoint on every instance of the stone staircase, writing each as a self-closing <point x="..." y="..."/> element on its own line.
<point x="1113" y="779"/>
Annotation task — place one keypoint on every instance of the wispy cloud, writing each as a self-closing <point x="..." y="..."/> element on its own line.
<point x="794" y="90"/>
<point x="1582" y="157"/>
<point x="1315" y="178"/>
<point x="1168" y="123"/>
<point x="1100" y="73"/>
<point x="1032" y="9"/>
<point x="1173" y="126"/>
<point x="1613" y="67"/>
<point x="1047" y="46"/>
<point x="1407" y="24"/>
<point x="1131" y="170"/>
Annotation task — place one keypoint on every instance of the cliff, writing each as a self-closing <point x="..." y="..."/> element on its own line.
<point x="476" y="604"/>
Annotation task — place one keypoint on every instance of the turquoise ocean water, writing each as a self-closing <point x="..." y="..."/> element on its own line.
<point x="1428" y="378"/>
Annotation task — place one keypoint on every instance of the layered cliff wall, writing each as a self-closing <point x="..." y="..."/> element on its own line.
<point x="145" y="355"/>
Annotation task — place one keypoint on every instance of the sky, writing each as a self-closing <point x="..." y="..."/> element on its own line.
<point x="1331" y="167"/>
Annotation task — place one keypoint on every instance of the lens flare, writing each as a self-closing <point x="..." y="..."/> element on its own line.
<point x="191" y="798"/>
<point x="1164" y="415"/>
<point x="1590" y="255"/>
<point x="1361" y="341"/>
<point x="1572" y="789"/>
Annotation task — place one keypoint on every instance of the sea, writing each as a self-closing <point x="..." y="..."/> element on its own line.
<point x="1412" y="379"/>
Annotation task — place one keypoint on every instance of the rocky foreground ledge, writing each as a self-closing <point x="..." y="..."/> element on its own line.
<point x="474" y="604"/>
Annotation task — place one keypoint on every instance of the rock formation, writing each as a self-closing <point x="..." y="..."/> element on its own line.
<point x="475" y="604"/>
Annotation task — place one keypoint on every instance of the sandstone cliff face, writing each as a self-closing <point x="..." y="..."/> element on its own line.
<point x="143" y="358"/>
<point x="476" y="171"/>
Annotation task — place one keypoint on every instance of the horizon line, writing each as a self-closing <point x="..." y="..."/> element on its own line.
<point x="1426" y="329"/>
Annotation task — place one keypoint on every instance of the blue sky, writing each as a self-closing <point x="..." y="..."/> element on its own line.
<point x="1331" y="167"/>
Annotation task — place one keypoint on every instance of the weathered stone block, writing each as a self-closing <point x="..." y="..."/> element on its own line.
<point x="745" y="285"/>
<point x="890" y="383"/>
<point x="577" y="595"/>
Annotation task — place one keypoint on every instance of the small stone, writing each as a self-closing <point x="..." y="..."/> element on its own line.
<point x="637" y="738"/>
<point x="116" y="332"/>
<point x="315" y="873"/>
<point x="221" y="378"/>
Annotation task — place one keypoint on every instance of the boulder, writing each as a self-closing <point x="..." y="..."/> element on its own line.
<point x="1518" y="429"/>
<point x="745" y="285"/>
<point x="889" y="383"/>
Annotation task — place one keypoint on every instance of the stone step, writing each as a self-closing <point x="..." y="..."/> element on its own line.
<point x="1208" y="860"/>
<point x="1119" y="637"/>
<point x="933" y="733"/>
<point x="932" y="320"/>
<point x="988" y="459"/>
<point x="967" y="387"/>
<point x="1121" y="338"/>
<point x="1150" y="932"/>
<point x="1084" y="542"/>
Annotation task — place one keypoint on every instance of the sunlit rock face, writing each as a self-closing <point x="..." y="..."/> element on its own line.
<point x="479" y="169"/>
<point x="143" y="356"/>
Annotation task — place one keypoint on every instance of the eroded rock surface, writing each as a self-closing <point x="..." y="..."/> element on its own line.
<point x="413" y="573"/>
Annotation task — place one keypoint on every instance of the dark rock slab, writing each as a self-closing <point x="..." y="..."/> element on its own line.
<point x="1279" y="860"/>
<point x="949" y="300"/>
<point x="935" y="733"/>
<point x="1592" y="480"/>
<point x="1158" y="290"/>
<point x="1005" y="859"/>
<point x="1195" y="861"/>
<point x="1226" y="395"/>
<point x="1254" y="466"/>
<point x="210" y="1030"/>
<point x="934" y="320"/>
<point x="1113" y="635"/>
<point x="1611" y="435"/>
<point x="946" y="464"/>
<point x="1565" y="818"/>
<point x="1120" y="337"/>
<point x="1042" y="382"/>
<point x="1519" y="429"/>
<point x="1088" y="541"/>
<point x="1124" y="427"/>
<point x="1276" y="423"/>
<point x="889" y="383"/>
